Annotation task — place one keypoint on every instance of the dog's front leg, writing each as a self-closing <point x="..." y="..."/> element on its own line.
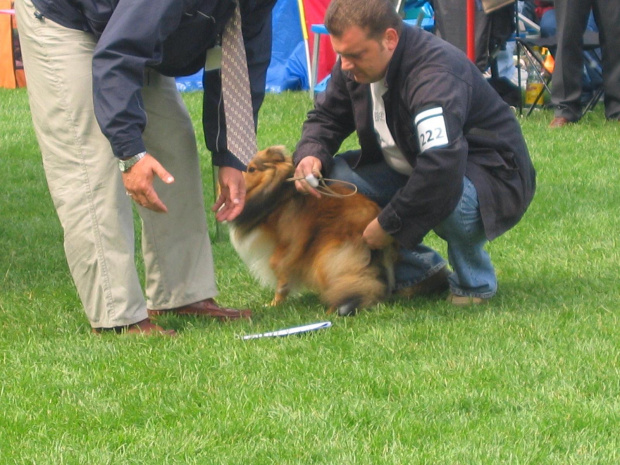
<point x="280" y="264"/>
<point x="282" y="291"/>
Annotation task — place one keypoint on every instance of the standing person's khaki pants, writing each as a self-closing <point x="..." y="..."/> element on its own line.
<point x="87" y="188"/>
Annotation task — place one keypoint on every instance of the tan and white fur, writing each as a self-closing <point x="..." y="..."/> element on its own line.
<point x="291" y="241"/>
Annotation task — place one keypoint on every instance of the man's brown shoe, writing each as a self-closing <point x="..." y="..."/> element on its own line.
<point x="435" y="284"/>
<point x="144" y="327"/>
<point x="206" y="308"/>
<point x="559" y="122"/>
<point x="464" y="300"/>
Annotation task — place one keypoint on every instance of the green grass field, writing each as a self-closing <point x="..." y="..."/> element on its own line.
<point x="532" y="378"/>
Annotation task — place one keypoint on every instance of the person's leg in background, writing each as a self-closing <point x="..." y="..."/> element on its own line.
<point x="566" y="83"/>
<point x="592" y="74"/>
<point x="607" y="16"/>
<point x="451" y="25"/>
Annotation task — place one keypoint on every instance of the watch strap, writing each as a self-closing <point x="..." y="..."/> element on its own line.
<point x="127" y="163"/>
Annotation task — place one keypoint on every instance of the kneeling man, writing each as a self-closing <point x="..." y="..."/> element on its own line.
<point x="439" y="148"/>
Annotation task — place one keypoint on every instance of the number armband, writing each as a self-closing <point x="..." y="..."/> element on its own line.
<point x="431" y="128"/>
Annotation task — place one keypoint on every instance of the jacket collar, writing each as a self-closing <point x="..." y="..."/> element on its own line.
<point x="394" y="65"/>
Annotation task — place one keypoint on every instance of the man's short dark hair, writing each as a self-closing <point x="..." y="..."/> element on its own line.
<point x="373" y="16"/>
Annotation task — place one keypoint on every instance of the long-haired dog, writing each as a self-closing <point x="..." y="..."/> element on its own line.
<point x="292" y="241"/>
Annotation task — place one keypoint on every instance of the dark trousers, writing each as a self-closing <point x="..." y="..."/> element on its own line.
<point x="566" y="85"/>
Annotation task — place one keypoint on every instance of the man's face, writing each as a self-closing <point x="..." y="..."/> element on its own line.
<point x="366" y="59"/>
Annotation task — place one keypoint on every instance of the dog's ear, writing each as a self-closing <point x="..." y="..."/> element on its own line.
<point x="278" y="153"/>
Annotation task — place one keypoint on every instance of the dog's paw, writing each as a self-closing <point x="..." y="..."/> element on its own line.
<point x="349" y="308"/>
<point x="277" y="300"/>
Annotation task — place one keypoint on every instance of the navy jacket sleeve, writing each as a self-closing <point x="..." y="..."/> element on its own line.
<point x="130" y="41"/>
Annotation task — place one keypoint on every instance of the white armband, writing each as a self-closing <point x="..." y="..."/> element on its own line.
<point x="431" y="128"/>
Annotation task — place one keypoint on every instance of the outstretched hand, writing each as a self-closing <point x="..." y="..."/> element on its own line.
<point x="231" y="200"/>
<point x="138" y="183"/>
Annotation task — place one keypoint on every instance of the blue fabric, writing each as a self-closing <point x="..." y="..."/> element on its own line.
<point x="190" y="83"/>
<point x="295" y="75"/>
<point x="286" y="43"/>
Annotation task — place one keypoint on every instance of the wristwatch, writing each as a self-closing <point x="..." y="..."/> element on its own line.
<point x="127" y="163"/>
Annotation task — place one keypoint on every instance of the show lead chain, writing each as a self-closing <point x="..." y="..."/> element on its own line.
<point x="321" y="186"/>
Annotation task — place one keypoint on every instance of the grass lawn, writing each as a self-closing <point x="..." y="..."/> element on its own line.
<point x="532" y="378"/>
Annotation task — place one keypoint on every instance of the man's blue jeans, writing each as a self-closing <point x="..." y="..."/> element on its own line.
<point x="463" y="231"/>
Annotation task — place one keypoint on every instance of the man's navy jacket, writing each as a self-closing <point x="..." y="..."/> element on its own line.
<point x="172" y="37"/>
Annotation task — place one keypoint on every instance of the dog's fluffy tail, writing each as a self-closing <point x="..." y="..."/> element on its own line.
<point x="350" y="272"/>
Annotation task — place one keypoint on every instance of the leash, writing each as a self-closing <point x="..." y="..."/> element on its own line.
<point x="321" y="186"/>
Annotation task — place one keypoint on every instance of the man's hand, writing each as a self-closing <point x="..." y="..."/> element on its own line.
<point x="232" y="194"/>
<point x="138" y="183"/>
<point x="375" y="236"/>
<point x="307" y="166"/>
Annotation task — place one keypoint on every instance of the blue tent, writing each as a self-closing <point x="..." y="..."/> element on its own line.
<point x="287" y="70"/>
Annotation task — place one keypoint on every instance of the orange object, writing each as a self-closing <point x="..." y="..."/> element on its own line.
<point x="11" y="67"/>
<point x="549" y="63"/>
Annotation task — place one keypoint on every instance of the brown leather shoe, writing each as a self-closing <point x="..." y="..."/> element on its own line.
<point x="144" y="327"/>
<point x="435" y="284"/>
<point x="206" y="308"/>
<point x="464" y="300"/>
<point x="559" y="122"/>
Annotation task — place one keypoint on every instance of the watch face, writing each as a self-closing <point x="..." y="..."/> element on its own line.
<point x="122" y="165"/>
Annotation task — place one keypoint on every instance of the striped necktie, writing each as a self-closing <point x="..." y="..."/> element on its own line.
<point x="240" y="131"/>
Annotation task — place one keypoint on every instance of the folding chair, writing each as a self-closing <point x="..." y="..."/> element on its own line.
<point x="527" y="46"/>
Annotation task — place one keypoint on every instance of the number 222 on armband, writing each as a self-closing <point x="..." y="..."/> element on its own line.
<point x="431" y="128"/>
